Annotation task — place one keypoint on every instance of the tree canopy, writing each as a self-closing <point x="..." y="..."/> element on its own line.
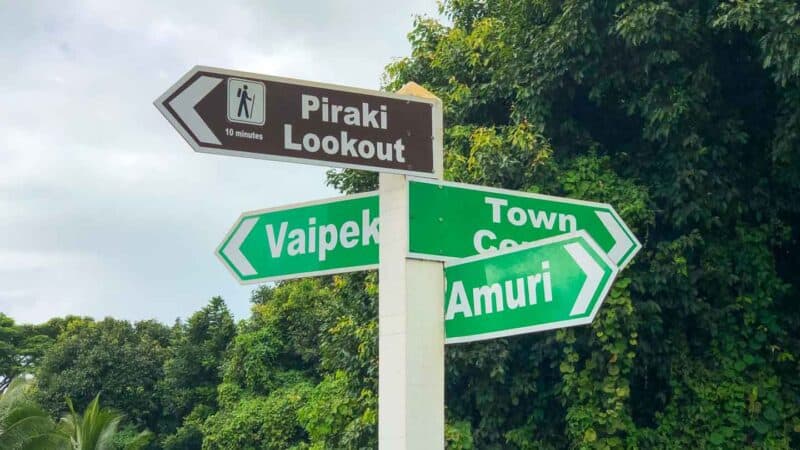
<point x="684" y="115"/>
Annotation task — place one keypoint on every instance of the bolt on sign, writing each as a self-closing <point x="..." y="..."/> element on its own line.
<point x="454" y="220"/>
<point x="250" y="115"/>
<point x="552" y="283"/>
<point x="308" y="239"/>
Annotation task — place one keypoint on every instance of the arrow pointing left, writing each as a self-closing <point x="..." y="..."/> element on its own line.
<point x="232" y="248"/>
<point x="181" y="105"/>
<point x="184" y="106"/>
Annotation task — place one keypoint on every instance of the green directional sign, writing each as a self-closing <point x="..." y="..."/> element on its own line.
<point x="318" y="238"/>
<point x="552" y="283"/>
<point x="453" y="220"/>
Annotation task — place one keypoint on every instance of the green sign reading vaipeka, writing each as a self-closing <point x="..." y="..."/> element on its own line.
<point x="552" y="283"/>
<point x="453" y="220"/>
<point x="318" y="238"/>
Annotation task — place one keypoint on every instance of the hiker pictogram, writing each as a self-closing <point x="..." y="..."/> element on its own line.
<point x="246" y="101"/>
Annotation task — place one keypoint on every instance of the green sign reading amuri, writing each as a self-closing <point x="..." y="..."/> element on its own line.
<point x="553" y="283"/>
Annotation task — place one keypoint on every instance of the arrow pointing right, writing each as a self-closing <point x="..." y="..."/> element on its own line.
<point x="594" y="275"/>
<point x="622" y="243"/>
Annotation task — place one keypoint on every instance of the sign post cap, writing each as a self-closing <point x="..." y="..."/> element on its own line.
<point x="414" y="89"/>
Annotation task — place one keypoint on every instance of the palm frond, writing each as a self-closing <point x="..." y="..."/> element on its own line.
<point x="94" y="430"/>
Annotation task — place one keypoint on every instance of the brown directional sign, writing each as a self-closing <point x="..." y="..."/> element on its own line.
<point x="244" y="114"/>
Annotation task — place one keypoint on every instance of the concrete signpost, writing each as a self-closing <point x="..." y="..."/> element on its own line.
<point x="454" y="220"/>
<point x="552" y="283"/>
<point x="410" y="325"/>
<point x="502" y="287"/>
<point x="309" y="239"/>
<point x="260" y="116"/>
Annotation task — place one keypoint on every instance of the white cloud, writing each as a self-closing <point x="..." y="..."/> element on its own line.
<point x="104" y="210"/>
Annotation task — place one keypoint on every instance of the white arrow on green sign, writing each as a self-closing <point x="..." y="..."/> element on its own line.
<point x="309" y="239"/>
<point x="453" y="220"/>
<point x="552" y="283"/>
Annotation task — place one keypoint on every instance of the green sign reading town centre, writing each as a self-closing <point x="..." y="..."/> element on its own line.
<point x="318" y="238"/>
<point x="453" y="220"/>
<point x="552" y="283"/>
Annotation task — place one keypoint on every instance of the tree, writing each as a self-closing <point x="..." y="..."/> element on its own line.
<point x="9" y="336"/>
<point x="124" y="362"/>
<point x="193" y="371"/>
<point x="686" y="117"/>
<point x="302" y="371"/>
<point x="262" y="422"/>
<point x="21" y="347"/>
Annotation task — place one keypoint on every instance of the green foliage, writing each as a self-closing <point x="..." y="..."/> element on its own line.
<point x="193" y="370"/>
<point x="9" y="336"/>
<point x="686" y="117"/>
<point x="458" y="436"/>
<point x="23" y="423"/>
<point x="306" y="360"/>
<point x="128" y="437"/>
<point x="124" y="362"/>
<point x="97" y="428"/>
<point x="352" y="181"/>
<point x="189" y="436"/>
<point x="334" y="418"/>
<point x="22" y="346"/>
<point x="263" y="422"/>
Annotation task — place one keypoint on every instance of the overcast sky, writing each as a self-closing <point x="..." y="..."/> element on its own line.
<point x="104" y="209"/>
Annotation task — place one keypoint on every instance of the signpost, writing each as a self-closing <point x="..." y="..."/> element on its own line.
<point x="410" y="325"/>
<point x="552" y="283"/>
<point x="453" y="220"/>
<point x="503" y="286"/>
<point x="259" y="116"/>
<point x="309" y="239"/>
